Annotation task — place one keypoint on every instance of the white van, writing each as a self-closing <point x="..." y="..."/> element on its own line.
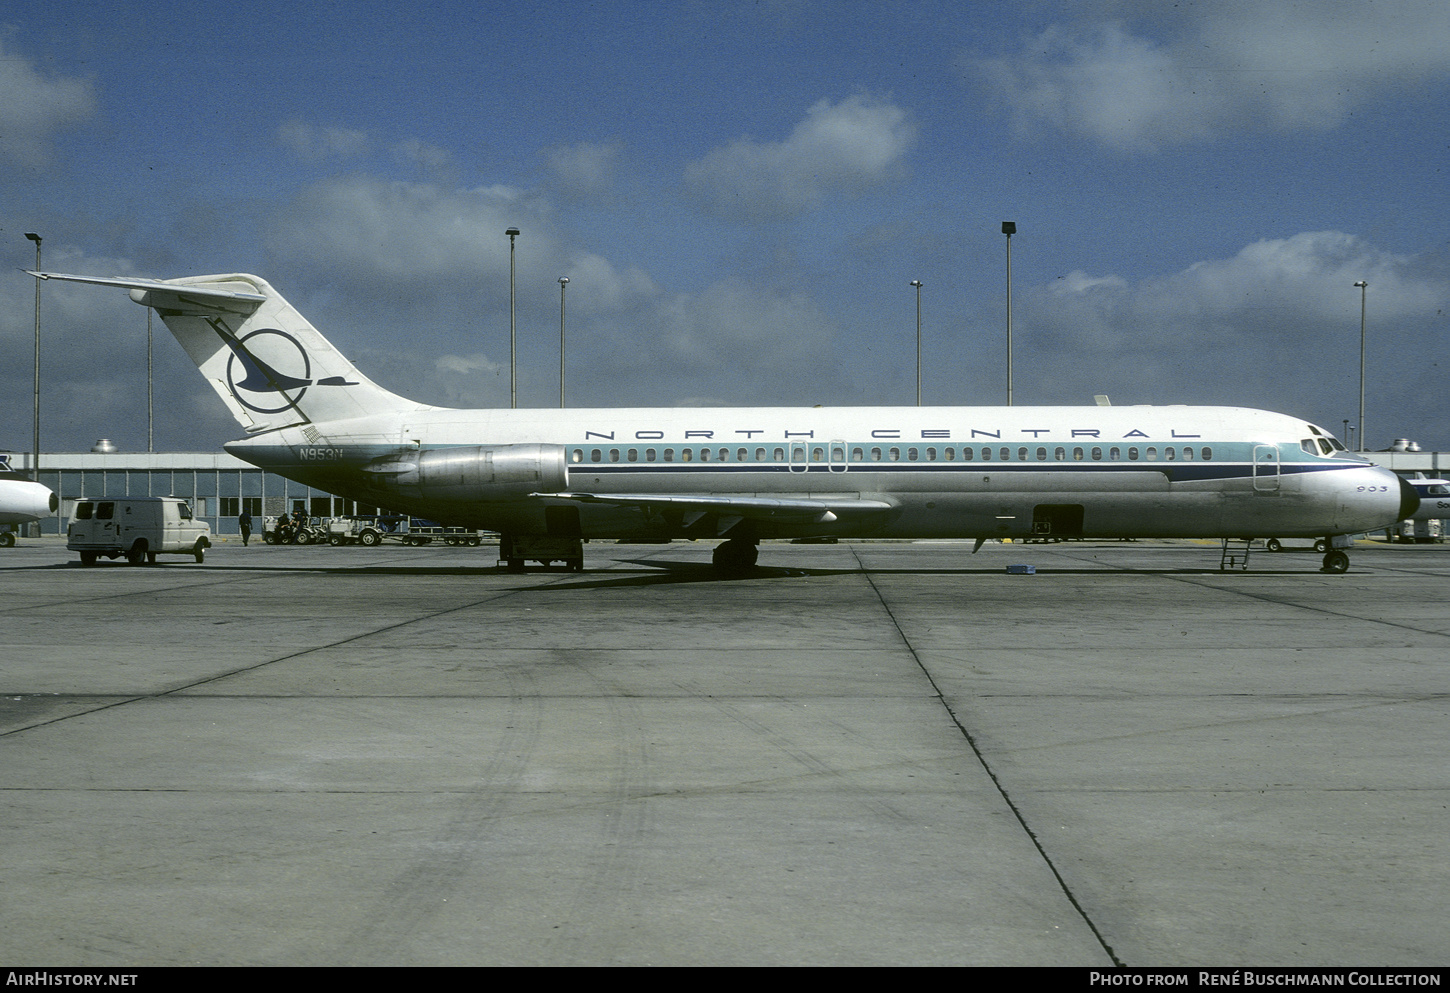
<point x="139" y="528"/>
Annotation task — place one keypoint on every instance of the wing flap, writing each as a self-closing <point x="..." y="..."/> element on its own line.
<point x="795" y="510"/>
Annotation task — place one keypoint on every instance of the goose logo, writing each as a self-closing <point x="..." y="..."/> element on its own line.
<point x="273" y="365"/>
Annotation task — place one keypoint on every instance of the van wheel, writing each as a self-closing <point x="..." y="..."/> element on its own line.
<point x="200" y="552"/>
<point x="136" y="555"/>
<point x="150" y="558"/>
<point x="1273" y="545"/>
<point x="7" y="539"/>
<point x="88" y="558"/>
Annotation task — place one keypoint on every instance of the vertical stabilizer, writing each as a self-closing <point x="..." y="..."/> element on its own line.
<point x="268" y="364"/>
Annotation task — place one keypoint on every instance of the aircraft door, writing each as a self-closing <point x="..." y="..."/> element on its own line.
<point x="1266" y="469"/>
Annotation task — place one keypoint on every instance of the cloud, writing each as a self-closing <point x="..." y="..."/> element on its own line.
<point x="33" y="107"/>
<point x="839" y="149"/>
<point x="314" y="143"/>
<point x="1261" y="64"/>
<point x="584" y="170"/>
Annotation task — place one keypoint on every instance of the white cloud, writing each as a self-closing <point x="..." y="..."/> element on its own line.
<point x="585" y="169"/>
<point x="1255" y="64"/>
<point x="314" y="143"/>
<point x="33" y="107"/>
<point x="839" y="149"/>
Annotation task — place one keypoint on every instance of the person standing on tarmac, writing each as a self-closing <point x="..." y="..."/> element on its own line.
<point x="244" y="521"/>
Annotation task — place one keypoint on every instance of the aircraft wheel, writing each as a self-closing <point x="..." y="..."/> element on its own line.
<point x="1336" y="561"/>
<point x="1273" y="545"/>
<point x="735" y="556"/>
<point x="1322" y="545"/>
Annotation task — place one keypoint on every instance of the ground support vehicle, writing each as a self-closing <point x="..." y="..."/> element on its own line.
<point x="461" y="536"/>
<point x="139" y="528"/>
<point x="1422" y="532"/>
<point x="287" y="530"/>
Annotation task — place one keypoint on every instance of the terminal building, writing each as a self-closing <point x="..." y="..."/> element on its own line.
<point x="219" y="486"/>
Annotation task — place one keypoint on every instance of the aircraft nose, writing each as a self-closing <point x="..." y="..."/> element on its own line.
<point x="1409" y="500"/>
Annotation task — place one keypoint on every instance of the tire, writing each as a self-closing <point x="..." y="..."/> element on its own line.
<point x="1336" y="561"/>
<point x="335" y="540"/>
<point x="370" y="538"/>
<point x="200" y="552"/>
<point x="7" y="539"/>
<point x="1322" y="545"/>
<point x="136" y="554"/>
<point x="269" y="537"/>
<point x="1273" y="545"/>
<point x="88" y="558"/>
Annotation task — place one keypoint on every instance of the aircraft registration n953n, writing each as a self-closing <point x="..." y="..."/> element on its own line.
<point x="547" y="479"/>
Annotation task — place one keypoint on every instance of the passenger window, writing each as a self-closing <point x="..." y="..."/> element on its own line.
<point x="105" y="511"/>
<point x="724" y="454"/>
<point x="594" y="455"/>
<point x="83" y="511"/>
<point x="986" y="455"/>
<point x="911" y="455"/>
<point x="875" y="455"/>
<point x="967" y="454"/>
<point x="951" y="454"/>
<point x="1188" y="455"/>
<point x="1168" y="454"/>
<point x="1021" y="455"/>
<point x="1207" y="454"/>
<point x="1115" y="454"/>
<point x="743" y="455"/>
<point x="818" y="454"/>
<point x="1006" y="454"/>
<point x="1042" y="455"/>
<point x="1132" y="455"/>
<point x="614" y="455"/>
<point x="838" y="454"/>
<point x="857" y="455"/>
<point x="894" y="454"/>
<point x="931" y="454"/>
<point x="780" y="455"/>
<point x="687" y="454"/>
<point x="1077" y="454"/>
<point x="578" y="455"/>
<point x="669" y="454"/>
<point x="1097" y="454"/>
<point x="704" y="455"/>
<point x="760" y="455"/>
<point x="633" y="455"/>
<point x="649" y="454"/>
<point x="1059" y="454"/>
<point x="1152" y="454"/>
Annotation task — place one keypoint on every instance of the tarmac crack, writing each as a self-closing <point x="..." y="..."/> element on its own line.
<point x="986" y="766"/>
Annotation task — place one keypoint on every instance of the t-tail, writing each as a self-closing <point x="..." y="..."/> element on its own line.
<point x="268" y="364"/>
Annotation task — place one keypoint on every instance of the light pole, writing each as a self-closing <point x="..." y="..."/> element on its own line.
<point x="1009" y="228"/>
<point x="1363" y="287"/>
<point x="150" y="418"/>
<point x="563" y="282"/>
<point x="917" y="284"/>
<point x="513" y="330"/>
<point x="35" y="447"/>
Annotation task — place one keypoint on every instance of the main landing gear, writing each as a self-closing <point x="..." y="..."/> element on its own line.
<point x="735" y="556"/>
<point x="1335" y="560"/>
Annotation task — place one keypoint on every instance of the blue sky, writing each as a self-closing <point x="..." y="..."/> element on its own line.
<point x="740" y="194"/>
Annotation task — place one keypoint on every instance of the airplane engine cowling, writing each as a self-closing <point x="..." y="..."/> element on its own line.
<point x="477" y="472"/>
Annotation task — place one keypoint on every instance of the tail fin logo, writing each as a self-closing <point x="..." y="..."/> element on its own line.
<point x="272" y="364"/>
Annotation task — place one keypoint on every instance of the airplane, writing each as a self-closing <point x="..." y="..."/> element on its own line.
<point x="546" y="479"/>
<point x="21" y="501"/>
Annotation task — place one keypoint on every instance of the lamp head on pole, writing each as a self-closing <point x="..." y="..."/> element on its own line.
<point x="563" y="280"/>
<point x="917" y="283"/>
<point x="1361" y="283"/>
<point x="33" y="237"/>
<point x="512" y="233"/>
<point x="1009" y="228"/>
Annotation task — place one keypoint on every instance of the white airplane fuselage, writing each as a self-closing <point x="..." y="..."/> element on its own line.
<point x="900" y="472"/>
<point x="744" y="474"/>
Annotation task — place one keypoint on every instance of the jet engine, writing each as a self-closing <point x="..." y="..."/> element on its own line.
<point x="474" y="473"/>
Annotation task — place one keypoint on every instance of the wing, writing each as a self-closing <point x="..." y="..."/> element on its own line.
<point x="791" y="512"/>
